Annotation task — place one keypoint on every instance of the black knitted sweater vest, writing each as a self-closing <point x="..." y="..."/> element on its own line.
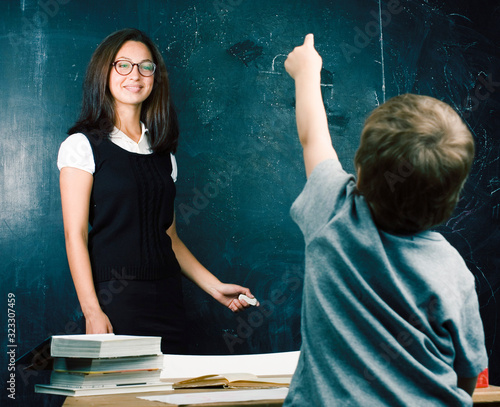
<point x="131" y="207"/>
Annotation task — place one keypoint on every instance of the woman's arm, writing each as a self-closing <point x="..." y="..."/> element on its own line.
<point x="226" y="294"/>
<point x="76" y="186"/>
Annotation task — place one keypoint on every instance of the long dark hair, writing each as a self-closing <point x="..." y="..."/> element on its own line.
<point x="97" y="116"/>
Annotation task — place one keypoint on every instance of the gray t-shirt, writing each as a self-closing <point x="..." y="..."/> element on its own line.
<point x="387" y="320"/>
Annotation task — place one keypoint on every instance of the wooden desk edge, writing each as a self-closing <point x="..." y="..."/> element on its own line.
<point x="481" y="396"/>
<point x="134" y="400"/>
<point x="486" y="394"/>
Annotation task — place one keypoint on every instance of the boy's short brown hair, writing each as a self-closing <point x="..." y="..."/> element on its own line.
<point x="413" y="159"/>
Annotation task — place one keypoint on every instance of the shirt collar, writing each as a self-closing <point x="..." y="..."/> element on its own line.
<point x="119" y="136"/>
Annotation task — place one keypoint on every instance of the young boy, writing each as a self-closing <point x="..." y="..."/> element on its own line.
<point x="390" y="313"/>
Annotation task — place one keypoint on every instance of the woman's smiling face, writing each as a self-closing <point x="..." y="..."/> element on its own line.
<point x="131" y="89"/>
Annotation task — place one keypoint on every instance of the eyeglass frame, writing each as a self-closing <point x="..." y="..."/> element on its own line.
<point x="133" y="64"/>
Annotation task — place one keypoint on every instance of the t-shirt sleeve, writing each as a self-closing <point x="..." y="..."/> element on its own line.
<point x="174" y="167"/>
<point x="76" y="152"/>
<point x="325" y="191"/>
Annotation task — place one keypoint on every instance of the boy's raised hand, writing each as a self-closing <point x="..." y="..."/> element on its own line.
<point x="304" y="66"/>
<point x="304" y="60"/>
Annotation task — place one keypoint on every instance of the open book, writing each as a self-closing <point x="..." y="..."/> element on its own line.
<point x="232" y="380"/>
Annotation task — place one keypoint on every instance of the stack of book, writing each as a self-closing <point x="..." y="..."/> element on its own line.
<point x="104" y="364"/>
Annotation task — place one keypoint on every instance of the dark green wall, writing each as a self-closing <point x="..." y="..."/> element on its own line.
<point x="240" y="163"/>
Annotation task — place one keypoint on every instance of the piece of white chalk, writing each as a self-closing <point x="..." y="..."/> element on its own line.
<point x="251" y="301"/>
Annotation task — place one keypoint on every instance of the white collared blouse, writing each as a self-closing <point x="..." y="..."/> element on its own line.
<point x="76" y="151"/>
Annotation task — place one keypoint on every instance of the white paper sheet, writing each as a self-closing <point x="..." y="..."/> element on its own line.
<point x="262" y="364"/>
<point x="221" y="396"/>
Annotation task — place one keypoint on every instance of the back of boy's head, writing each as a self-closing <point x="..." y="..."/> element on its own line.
<point x="414" y="156"/>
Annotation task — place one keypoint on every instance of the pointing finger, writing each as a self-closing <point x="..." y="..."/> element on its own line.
<point x="309" y="40"/>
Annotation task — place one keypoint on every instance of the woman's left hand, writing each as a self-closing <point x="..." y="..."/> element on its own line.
<point x="227" y="294"/>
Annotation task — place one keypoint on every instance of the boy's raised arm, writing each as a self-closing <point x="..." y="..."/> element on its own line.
<point x="304" y="66"/>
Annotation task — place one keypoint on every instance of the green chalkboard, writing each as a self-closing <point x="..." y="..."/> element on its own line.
<point x="240" y="162"/>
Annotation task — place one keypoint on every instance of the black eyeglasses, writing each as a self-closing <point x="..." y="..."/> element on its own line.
<point x="123" y="67"/>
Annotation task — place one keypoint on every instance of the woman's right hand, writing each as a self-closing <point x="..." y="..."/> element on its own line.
<point x="76" y="188"/>
<point x="98" y="323"/>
